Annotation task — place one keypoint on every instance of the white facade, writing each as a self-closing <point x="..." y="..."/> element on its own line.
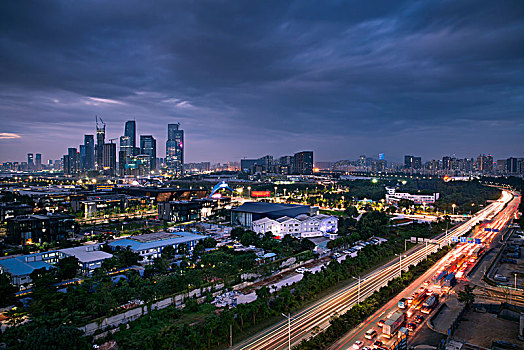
<point x="393" y="196"/>
<point x="303" y="226"/>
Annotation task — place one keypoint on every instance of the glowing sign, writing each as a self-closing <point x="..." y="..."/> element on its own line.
<point x="260" y="193"/>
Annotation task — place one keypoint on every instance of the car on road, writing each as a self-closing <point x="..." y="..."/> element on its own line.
<point x="419" y="319"/>
<point x="377" y="344"/>
<point x="302" y="270"/>
<point x="358" y="344"/>
<point x="412" y="326"/>
<point x="370" y="334"/>
<point x="380" y="323"/>
<point x="366" y="348"/>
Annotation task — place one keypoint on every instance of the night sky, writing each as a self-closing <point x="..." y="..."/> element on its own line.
<point x="249" y="78"/>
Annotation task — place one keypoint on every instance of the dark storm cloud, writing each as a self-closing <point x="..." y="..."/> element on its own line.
<point x="248" y="78"/>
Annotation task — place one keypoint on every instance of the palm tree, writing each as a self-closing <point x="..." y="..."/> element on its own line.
<point x="467" y="296"/>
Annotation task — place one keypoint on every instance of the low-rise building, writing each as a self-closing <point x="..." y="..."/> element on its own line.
<point x="19" y="268"/>
<point x="13" y="209"/>
<point x="193" y="210"/>
<point x="301" y="226"/>
<point x="392" y="196"/>
<point x="39" y="228"/>
<point x="150" y="245"/>
<point x="89" y="257"/>
<point x="252" y="211"/>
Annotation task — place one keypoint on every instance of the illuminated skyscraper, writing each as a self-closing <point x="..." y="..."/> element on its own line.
<point x="175" y="149"/>
<point x="30" y="161"/>
<point x="89" y="149"/>
<point x="100" y="140"/>
<point x="148" y="147"/>
<point x="130" y="131"/>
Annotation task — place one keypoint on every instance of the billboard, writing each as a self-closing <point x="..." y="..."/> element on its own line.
<point x="259" y="194"/>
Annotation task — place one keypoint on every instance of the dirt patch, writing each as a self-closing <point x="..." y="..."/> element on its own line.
<point x="483" y="328"/>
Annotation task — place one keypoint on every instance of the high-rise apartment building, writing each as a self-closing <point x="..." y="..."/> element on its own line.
<point x="175" y="149"/>
<point x="303" y="162"/>
<point x="148" y="147"/>
<point x="89" y="150"/>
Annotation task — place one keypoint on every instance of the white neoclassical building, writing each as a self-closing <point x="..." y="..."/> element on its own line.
<point x="302" y="226"/>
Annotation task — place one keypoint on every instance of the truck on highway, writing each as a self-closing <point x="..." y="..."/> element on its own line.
<point x="449" y="281"/>
<point x="429" y="304"/>
<point x="437" y="279"/>
<point x="392" y="324"/>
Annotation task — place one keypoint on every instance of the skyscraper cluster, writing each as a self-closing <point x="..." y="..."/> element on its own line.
<point x="133" y="159"/>
<point x="299" y="163"/>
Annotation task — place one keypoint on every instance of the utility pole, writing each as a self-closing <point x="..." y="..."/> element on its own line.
<point x="231" y="335"/>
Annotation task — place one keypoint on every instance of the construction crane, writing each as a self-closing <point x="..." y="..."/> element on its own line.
<point x="111" y="140"/>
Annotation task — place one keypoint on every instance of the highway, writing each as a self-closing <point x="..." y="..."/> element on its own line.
<point x="318" y="315"/>
<point x="459" y="261"/>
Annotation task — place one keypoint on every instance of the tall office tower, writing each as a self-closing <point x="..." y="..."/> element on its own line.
<point x="382" y="156"/>
<point x="175" y="148"/>
<point x="30" y="162"/>
<point x="82" y="158"/>
<point x="73" y="161"/>
<point x="408" y="162"/>
<point x="130" y="131"/>
<point x="38" y="161"/>
<point x="417" y="163"/>
<point x="89" y="147"/>
<point x="109" y="158"/>
<point x="126" y="153"/>
<point x="489" y="163"/>
<point x="100" y="140"/>
<point x="303" y="162"/>
<point x="446" y="163"/>
<point x="148" y="146"/>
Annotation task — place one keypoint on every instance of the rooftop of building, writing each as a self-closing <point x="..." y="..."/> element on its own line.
<point x="87" y="253"/>
<point x="25" y="264"/>
<point x="42" y="217"/>
<point x="155" y="240"/>
<point x="263" y="207"/>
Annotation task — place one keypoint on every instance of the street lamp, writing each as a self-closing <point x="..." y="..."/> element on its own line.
<point x="358" y="294"/>
<point x="453" y="206"/>
<point x="400" y="263"/>
<point x="289" y="318"/>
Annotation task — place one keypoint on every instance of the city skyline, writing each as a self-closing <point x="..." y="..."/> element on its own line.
<point x="342" y="80"/>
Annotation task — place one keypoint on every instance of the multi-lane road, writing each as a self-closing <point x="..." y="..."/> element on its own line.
<point x="319" y="314"/>
<point x="462" y="259"/>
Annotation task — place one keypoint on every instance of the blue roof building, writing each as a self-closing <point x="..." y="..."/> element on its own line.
<point x="19" y="268"/>
<point x="150" y="245"/>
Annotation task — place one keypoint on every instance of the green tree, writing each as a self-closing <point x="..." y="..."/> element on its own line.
<point x="351" y="211"/>
<point x="467" y="296"/>
<point x="67" y="268"/>
<point x="7" y="291"/>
